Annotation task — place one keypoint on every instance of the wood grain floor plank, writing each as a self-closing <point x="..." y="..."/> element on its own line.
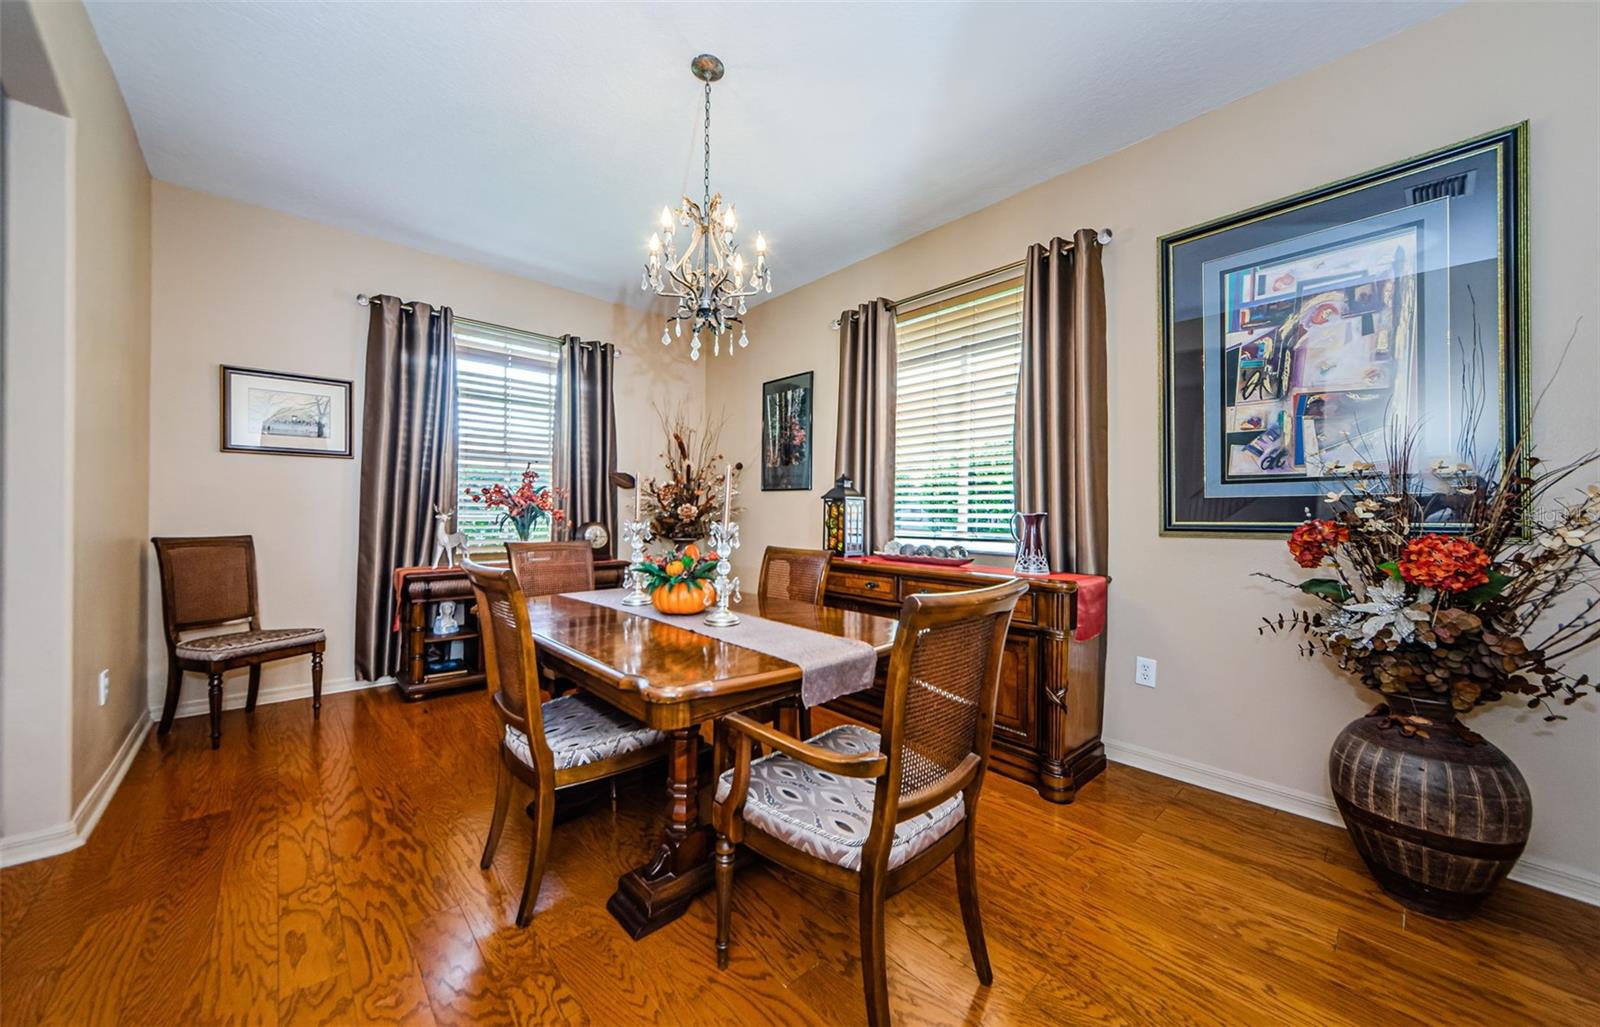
<point x="326" y="873"/>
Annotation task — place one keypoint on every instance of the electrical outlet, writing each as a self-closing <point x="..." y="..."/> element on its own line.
<point x="105" y="687"/>
<point x="1144" y="672"/>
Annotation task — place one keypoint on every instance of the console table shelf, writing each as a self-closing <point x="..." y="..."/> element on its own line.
<point x="1050" y="708"/>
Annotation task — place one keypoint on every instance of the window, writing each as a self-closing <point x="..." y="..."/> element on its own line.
<point x="505" y="418"/>
<point x="955" y="415"/>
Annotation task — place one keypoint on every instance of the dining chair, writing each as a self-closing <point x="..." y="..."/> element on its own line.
<point x="210" y="582"/>
<point x="547" y="569"/>
<point x="550" y="568"/>
<point x="796" y="576"/>
<point x="874" y="813"/>
<point x="548" y="745"/>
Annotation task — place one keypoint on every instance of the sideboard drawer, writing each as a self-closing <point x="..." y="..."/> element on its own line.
<point x="910" y="586"/>
<point x="862" y="584"/>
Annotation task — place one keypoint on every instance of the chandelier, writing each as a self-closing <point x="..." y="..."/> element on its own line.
<point x="709" y="278"/>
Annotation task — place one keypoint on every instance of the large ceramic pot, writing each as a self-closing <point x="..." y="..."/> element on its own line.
<point x="1439" y="820"/>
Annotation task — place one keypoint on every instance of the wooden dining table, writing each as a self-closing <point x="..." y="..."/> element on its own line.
<point x="675" y="679"/>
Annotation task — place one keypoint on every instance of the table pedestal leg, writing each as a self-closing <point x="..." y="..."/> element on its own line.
<point x="657" y="893"/>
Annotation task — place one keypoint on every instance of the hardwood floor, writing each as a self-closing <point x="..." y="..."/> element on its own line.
<point x="328" y="875"/>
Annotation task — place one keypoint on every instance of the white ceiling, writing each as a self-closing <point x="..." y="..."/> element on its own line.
<point x="543" y="139"/>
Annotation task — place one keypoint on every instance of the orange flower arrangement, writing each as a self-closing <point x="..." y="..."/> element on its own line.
<point x="1312" y="542"/>
<point x="1442" y="562"/>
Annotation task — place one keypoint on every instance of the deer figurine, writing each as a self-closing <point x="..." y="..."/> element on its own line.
<point x="448" y="545"/>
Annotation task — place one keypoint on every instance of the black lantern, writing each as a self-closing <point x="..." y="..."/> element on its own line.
<point x="844" y="520"/>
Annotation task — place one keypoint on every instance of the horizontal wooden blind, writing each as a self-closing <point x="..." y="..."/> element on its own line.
<point x="505" y="418"/>
<point x="955" y="415"/>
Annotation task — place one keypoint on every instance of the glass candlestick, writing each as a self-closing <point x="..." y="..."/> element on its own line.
<point x="724" y="539"/>
<point x="638" y="533"/>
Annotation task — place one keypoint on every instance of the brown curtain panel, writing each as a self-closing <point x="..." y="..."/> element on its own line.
<point x="1061" y="401"/>
<point x="865" y="447"/>
<point x="586" y="432"/>
<point x="408" y="462"/>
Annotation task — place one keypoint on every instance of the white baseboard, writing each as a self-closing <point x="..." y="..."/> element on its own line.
<point x="1552" y="877"/>
<point x="234" y="695"/>
<point x="53" y="841"/>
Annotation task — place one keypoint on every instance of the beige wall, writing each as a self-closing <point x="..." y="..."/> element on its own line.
<point x="111" y="409"/>
<point x="1228" y="701"/>
<point x="236" y="284"/>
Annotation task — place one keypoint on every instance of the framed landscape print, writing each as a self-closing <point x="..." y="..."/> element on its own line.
<point x="274" y="412"/>
<point x="786" y="433"/>
<point x="1299" y="339"/>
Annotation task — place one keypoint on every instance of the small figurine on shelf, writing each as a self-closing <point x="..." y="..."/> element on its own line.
<point x="447" y="545"/>
<point x="446" y="618"/>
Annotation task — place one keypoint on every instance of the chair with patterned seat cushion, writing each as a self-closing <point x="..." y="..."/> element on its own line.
<point x="791" y="576"/>
<point x="875" y="813"/>
<point x="209" y="583"/>
<point x="547" y="746"/>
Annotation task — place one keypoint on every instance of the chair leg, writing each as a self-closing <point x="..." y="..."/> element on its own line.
<point x="802" y="721"/>
<point x="544" y="809"/>
<point x="497" y="823"/>
<point x="971" y="915"/>
<point x="874" y="968"/>
<point x="316" y="686"/>
<point x="255" y="688"/>
<point x="724" y="869"/>
<point x="214" y="695"/>
<point x="169" y="707"/>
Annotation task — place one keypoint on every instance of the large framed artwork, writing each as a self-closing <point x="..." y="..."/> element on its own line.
<point x="786" y="433"/>
<point x="1303" y="337"/>
<point x="295" y="414"/>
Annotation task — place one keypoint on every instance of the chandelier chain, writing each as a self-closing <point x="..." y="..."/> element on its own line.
<point x="705" y="180"/>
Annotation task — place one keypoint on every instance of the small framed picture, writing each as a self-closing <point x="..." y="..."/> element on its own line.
<point x="786" y="434"/>
<point x="275" y="412"/>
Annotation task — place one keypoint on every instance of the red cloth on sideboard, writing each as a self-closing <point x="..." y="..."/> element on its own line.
<point x="1090" y="619"/>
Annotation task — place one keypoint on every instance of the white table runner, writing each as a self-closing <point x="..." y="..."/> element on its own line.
<point x="830" y="666"/>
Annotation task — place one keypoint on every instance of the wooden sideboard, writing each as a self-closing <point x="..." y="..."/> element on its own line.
<point x="421" y="593"/>
<point x="1052" y="687"/>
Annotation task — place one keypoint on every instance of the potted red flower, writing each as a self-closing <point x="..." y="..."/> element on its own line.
<point x="1439" y="621"/>
<point x="524" y="505"/>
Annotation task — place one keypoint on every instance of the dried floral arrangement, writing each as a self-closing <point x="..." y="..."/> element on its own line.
<point x="690" y="496"/>
<point x="1453" y="615"/>
<point x="1458" y="615"/>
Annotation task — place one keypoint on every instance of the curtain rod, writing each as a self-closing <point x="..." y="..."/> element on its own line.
<point x="362" y="299"/>
<point x="1103" y="236"/>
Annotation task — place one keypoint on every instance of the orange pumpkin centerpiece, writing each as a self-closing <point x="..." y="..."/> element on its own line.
<point x="680" y="582"/>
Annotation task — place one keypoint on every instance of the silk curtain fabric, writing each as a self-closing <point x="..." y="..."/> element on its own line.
<point x="1061" y="401"/>
<point x="408" y="463"/>
<point x="864" y="450"/>
<point x="586" y="432"/>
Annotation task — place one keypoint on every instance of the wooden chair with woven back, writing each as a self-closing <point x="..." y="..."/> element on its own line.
<point x="875" y="813"/>
<point x="547" y="569"/>
<point x="548" y="745"/>
<point x="793" y="576"/>
<point x="210" y="582"/>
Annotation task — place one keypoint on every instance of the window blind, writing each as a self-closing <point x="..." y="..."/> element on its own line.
<point x="505" y="418"/>
<point x="956" y="367"/>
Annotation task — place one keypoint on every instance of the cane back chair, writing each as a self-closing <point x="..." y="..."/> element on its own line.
<point x="874" y="813"/>
<point x="550" y="568"/>
<point x="545" y="745"/>
<point x="210" y="582"/>
<point x="793" y="576"/>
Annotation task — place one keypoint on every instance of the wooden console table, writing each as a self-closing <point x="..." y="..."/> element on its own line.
<point x="1050" y="710"/>
<point x="423" y="590"/>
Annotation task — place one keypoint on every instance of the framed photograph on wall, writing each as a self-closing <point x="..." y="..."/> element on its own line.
<point x="1302" y="338"/>
<point x="786" y="433"/>
<point x="275" y="412"/>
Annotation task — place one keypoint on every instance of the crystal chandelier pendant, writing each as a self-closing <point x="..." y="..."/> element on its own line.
<point x="709" y="278"/>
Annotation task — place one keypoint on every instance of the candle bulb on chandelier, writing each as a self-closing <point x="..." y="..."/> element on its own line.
<point x="666" y="219"/>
